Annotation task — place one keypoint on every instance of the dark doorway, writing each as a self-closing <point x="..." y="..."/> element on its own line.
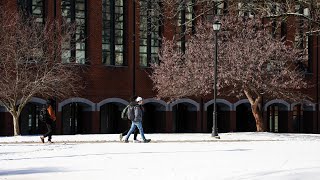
<point x="75" y="120"/>
<point x="184" y="118"/>
<point x="277" y="118"/>
<point x="245" y="119"/>
<point x="297" y="119"/>
<point x="29" y="120"/>
<point x="154" y="120"/>
<point x="110" y="119"/>
<point x="223" y="118"/>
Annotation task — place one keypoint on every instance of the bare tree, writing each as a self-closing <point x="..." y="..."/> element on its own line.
<point x="251" y="63"/>
<point x="30" y="63"/>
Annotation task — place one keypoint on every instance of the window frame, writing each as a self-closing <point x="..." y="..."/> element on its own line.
<point x="149" y="37"/>
<point x="73" y="42"/>
<point x="111" y="40"/>
<point x="182" y="16"/>
<point x="27" y="7"/>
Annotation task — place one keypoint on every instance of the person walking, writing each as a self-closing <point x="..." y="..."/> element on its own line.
<point x="136" y="121"/>
<point x="50" y="120"/>
<point x="136" y="131"/>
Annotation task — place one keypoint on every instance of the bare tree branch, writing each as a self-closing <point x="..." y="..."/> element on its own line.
<point x="30" y="63"/>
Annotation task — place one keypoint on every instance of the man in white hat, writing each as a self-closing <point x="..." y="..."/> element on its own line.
<point x="136" y="121"/>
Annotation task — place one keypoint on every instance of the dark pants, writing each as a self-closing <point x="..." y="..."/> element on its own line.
<point x="136" y="131"/>
<point x="51" y="125"/>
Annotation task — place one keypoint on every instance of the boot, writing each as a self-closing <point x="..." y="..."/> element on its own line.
<point x="42" y="139"/>
<point x="120" y="136"/>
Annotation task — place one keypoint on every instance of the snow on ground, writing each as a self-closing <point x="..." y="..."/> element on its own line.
<point x="177" y="137"/>
<point x="238" y="156"/>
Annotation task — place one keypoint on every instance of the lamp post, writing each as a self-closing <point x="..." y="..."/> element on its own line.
<point x="216" y="29"/>
<point x="134" y="50"/>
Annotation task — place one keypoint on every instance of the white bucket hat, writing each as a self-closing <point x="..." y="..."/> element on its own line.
<point x="139" y="99"/>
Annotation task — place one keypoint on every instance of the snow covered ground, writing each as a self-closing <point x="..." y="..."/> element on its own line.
<point x="238" y="156"/>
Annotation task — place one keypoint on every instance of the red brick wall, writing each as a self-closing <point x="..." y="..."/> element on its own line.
<point x="108" y="82"/>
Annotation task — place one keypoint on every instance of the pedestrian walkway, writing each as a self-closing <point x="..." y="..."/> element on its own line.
<point x="166" y="137"/>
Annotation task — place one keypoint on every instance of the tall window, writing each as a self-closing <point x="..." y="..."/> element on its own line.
<point x="274" y="11"/>
<point x="246" y="8"/>
<point x="220" y="8"/>
<point x="113" y="32"/>
<point x="283" y="32"/>
<point x="149" y="32"/>
<point x="33" y="7"/>
<point x="303" y="41"/>
<point x="299" y="42"/>
<point x="74" y="11"/>
<point x="185" y="23"/>
<point x="279" y="25"/>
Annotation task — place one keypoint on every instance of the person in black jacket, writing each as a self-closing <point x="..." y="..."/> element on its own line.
<point x="136" y="131"/>
<point x="50" y="121"/>
<point x="136" y="121"/>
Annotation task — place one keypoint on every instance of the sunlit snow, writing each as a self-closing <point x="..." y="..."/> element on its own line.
<point x="250" y="156"/>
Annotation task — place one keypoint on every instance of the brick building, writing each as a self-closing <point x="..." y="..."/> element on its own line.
<point x="118" y="52"/>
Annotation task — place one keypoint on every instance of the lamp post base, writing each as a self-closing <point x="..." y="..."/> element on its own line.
<point x="215" y="136"/>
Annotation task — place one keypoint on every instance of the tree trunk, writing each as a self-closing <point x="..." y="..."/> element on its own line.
<point x="16" y="129"/>
<point x="257" y="114"/>
<point x="256" y="108"/>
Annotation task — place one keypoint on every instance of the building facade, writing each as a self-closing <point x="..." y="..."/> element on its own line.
<point x="116" y="41"/>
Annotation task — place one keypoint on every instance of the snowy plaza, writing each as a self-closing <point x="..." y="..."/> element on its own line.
<point x="257" y="156"/>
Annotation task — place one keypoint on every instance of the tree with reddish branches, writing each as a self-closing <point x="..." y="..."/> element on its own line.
<point x="251" y="63"/>
<point x="30" y="62"/>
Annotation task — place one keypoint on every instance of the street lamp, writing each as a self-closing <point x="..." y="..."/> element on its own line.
<point x="134" y="50"/>
<point x="216" y="28"/>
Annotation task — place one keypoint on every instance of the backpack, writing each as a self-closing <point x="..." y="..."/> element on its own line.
<point x="44" y="115"/>
<point x="124" y="113"/>
<point x="130" y="113"/>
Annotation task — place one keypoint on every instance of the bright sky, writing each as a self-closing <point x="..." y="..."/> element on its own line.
<point x="249" y="156"/>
